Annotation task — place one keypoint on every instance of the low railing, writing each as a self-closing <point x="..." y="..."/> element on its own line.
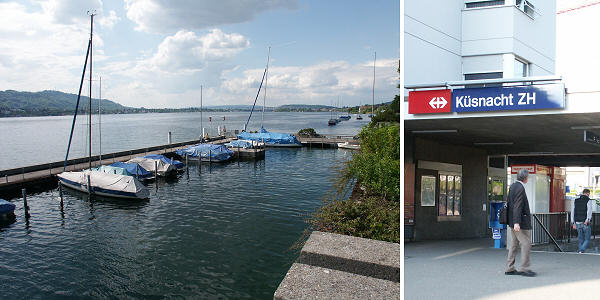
<point x="559" y="226"/>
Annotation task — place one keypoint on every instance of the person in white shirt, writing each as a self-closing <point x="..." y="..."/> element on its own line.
<point x="581" y="216"/>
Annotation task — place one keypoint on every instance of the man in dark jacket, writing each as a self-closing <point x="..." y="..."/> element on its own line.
<point x="519" y="221"/>
<point x="581" y="215"/>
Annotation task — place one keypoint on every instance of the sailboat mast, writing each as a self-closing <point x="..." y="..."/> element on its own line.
<point x="373" y="104"/>
<point x="265" y="95"/>
<point x="90" y="110"/>
<point x="201" y="127"/>
<point x="100" y="122"/>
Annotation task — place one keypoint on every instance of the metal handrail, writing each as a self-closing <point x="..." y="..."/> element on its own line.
<point x="548" y="233"/>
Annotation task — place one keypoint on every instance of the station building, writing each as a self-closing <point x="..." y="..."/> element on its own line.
<point x="481" y="100"/>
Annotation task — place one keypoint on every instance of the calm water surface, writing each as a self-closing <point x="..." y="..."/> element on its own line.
<point x="219" y="232"/>
<point x="36" y="140"/>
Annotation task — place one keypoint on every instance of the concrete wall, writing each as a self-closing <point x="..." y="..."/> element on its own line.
<point x="473" y="222"/>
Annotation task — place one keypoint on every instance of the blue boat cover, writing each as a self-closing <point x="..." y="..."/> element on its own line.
<point x="6" y="207"/>
<point x="239" y="143"/>
<point x="270" y="138"/>
<point x="131" y="169"/>
<point x="176" y="163"/>
<point x="201" y="151"/>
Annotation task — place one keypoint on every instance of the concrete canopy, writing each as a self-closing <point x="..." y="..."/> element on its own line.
<point x="554" y="137"/>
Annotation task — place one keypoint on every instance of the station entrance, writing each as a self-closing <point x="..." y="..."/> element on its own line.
<point x="457" y="165"/>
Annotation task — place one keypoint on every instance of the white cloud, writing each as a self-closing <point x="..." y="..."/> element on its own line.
<point x="163" y="16"/>
<point x="71" y="11"/>
<point x="185" y="51"/>
<point x="38" y="53"/>
<point x="110" y="20"/>
<point x="318" y="84"/>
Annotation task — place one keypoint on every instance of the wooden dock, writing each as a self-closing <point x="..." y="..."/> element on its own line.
<point x="43" y="176"/>
<point x="325" y="141"/>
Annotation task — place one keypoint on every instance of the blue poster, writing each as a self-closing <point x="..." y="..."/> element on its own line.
<point x="549" y="96"/>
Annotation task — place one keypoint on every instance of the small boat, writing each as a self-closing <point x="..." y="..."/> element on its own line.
<point x="133" y="169"/>
<point x="7" y="210"/>
<point x="150" y="164"/>
<point x="206" y="152"/>
<point x="105" y="184"/>
<point x="271" y="139"/>
<point x="246" y="144"/>
<point x="95" y="182"/>
<point x="179" y="165"/>
<point x="332" y="122"/>
<point x="345" y="118"/>
<point x="359" y="117"/>
<point x="349" y="145"/>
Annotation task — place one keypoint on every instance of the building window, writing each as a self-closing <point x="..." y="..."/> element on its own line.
<point x="450" y="195"/>
<point x="521" y="68"/>
<point x="476" y="4"/>
<point x="526" y="6"/>
<point x="478" y="76"/>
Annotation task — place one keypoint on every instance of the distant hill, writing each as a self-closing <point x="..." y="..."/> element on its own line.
<point x="303" y="107"/>
<point x="54" y="103"/>
<point x="48" y="103"/>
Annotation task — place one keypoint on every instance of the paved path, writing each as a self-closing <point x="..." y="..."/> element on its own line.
<point x="472" y="269"/>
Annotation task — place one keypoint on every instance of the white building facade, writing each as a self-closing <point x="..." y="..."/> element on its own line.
<point x="455" y="40"/>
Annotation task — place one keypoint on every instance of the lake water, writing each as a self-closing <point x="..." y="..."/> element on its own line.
<point x="36" y="140"/>
<point x="223" y="231"/>
<point x="218" y="232"/>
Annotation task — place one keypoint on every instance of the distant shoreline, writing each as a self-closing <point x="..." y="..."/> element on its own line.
<point x="4" y="114"/>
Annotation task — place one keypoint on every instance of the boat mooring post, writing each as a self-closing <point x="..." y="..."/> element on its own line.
<point x="137" y="172"/>
<point x="6" y="178"/>
<point x="238" y="152"/>
<point x="60" y="193"/>
<point x="169" y="138"/>
<point x="25" y="206"/>
<point x="209" y="157"/>
<point x="89" y="185"/>
<point x="155" y="169"/>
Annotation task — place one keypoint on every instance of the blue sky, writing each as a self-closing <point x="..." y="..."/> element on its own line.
<point x="157" y="53"/>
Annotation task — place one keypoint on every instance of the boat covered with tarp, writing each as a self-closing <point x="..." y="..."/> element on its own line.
<point x="179" y="165"/>
<point x="206" y="152"/>
<point x="7" y="210"/>
<point x="244" y="144"/>
<point x="132" y="169"/>
<point x="150" y="164"/>
<point x="105" y="184"/>
<point x="271" y="139"/>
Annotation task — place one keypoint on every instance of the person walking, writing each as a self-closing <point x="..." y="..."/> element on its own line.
<point x="519" y="221"/>
<point x="581" y="215"/>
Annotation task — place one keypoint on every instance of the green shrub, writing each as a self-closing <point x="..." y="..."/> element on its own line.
<point x="373" y="218"/>
<point x="308" y="132"/>
<point x="377" y="167"/>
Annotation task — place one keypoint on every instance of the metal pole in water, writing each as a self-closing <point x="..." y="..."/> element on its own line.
<point x="155" y="169"/>
<point x="6" y="178"/>
<point x="89" y="185"/>
<point x="137" y="172"/>
<point x="209" y="157"/>
<point x="60" y="193"/>
<point x="25" y="206"/>
<point x="169" y="138"/>
<point x="238" y="152"/>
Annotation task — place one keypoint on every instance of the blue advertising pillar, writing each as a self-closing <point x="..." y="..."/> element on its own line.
<point x="498" y="230"/>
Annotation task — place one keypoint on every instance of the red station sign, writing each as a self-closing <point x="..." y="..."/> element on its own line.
<point x="430" y="102"/>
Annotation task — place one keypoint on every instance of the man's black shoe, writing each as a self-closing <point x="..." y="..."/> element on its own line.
<point x="514" y="272"/>
<point x="528" y="273"/>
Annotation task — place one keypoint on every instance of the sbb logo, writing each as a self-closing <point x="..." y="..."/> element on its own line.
<point x="438" y="102"/>
<point x="429" y="102"/>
